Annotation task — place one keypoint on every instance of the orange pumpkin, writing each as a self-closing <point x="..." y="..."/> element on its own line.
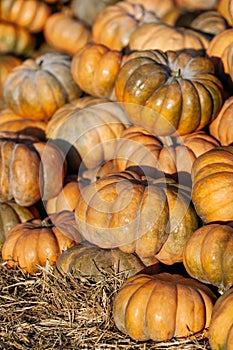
<point x="225" y="7"/>
<point x="162" y="306"/>
<point x="190" y="5"/>
<point x="7" y="63"/>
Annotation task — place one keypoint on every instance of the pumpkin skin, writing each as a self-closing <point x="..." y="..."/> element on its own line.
<point x="11" y="214"/>
<point x="208" y="257"/>
<point x="114" y="24"/>
<point x="66" y="33"/>
<point x="181" y="93"/>
<point x="137" y="215"/>
<point x="162" y="306"/>
<point x="89" y="125"/>
<point x="31" y="14"/>
<point x="190" y="5"/>
<point x="225" y="7"/>
<point x="221" y="127"/>
<point x="91" y="261"/>
<point x="30" y="169"/>
<point x="38" y="87"/>
<point x="94" y="68"/>
<point x="211" y="22"/>
<point x="211" y="185"/>
<point x="15" y="39"/>
<point x="220" y="329"/>
<point x="40" y="241"/>
<point x="7" y="63"/>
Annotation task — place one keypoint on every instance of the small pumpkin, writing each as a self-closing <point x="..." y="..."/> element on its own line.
<point x="38" y="87"/>
<point x="137" y="214"/>
<point x="208" y="255"/>
<point x="220" y="329"/>
<point x="7" y="63"/>
<point x="169" y="92"/>
<point x="39" y="242"/>
<point x="225" y="8"/>
<point x="210" y="21"/>
<point x="162" y="306"/>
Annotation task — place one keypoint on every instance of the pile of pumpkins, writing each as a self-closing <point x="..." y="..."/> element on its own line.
<point x="116" y="154"/>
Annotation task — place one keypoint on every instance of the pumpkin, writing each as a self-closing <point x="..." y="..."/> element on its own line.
<point x="221" y="127"/>
<point x="190" y="5"/>
<point x="169" y="92"/>
<point x="208" y="255"/>
<point x="15" y="39"/>
<point x="149" y="217"/>
<point x="114" y="24"/>
<point x="162" y="306"/>
<point x="90" y="126"/>
<point x="88" y="10"/>
<point x="95" y="67"/>
<point x="66" y="33"/>
<point x="31" y="14"/>
<point x="38" y="87"/>
<point x="39" y="242"/>
<point x="30" y="169"/>
<point x="211" y="22"/>
<point x="7" y="63"/>
<point x="211" y="184"/>
<point x="220" y="329"/>
<point x="148" y="37"/>
<point x="225" y="8"/>
<point x="90" y="261"/>
<point x="11" y="214"/>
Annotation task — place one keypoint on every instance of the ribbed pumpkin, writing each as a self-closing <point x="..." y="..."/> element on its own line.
<point x="114" y="24"/>
<point x="38" y="87"/>
<point x="7" y="63"/>
<point x="66" y="33"/>
<point x="93" y="262"/>
<point x="212" y="184"/>
<point x="220" y="329"/>
<point x="222" y="127"/>
<point x="39" y="242"/>
<point x="31" y="14"/>
<point x="151" y="217"/>
<point x="210" y="22"/>
<point x="169" y="92"/>
<point x="90" y="126"/>
<point x="30" y="169"/>
<point x="208" y="255"/>
<point x="162" y="306"/>
<point x="225" y="7"/>
<point x="15" y="39"/>
<point x="95" y="67"/>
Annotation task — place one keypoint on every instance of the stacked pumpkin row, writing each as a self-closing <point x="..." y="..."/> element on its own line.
<point x="127" y="149"/>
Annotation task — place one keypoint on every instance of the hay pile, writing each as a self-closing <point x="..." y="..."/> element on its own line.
<point x="45" y="312"/>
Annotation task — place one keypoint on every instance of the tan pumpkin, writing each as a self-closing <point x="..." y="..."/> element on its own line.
<point x="66" y="33"/>
<point x="38" y="87"/>
<point x="190" y="5"/>
<point x="40" y="242"/>
<point x="208" y="255"/>
<point x="7" y="63"/>
<point x="225" y="7"/>
<point x="169" y="92"/>
<point x="151" y="217"/>
<point x="162" y="306"/>
<point x="88" y="127"/>
<point x="31" y="14"/>
<point x="220" y="329"/>
<point x="211" y="22"/>
<point x="114" y="24"/>
<point x="30" y="169"/>
<point x="95" y="67"/>
<point x="15" y="39"/>
<point x="221" y="127"/>
<point x="212" y="182"/>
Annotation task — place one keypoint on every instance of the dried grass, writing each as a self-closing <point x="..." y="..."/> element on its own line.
<point x="46" y="312"/>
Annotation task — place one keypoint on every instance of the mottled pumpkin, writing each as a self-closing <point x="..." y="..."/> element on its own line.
<point x="212" y="184"/>
<point x="7" y="63"/>
<point x="169" y="92"/>
<point x="39" y="242"/>
<point x="208" y="255"/>
<point x="220" y="329"/>
<point x="31" y="14"/>
<point x="162" y="306"/>
<point x="151" y="217"/>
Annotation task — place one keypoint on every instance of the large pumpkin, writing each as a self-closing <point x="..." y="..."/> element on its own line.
<point x="38" y="87"/>
<point x="39" y="242"/>
<point x="208" y="255"/>
<point x="169" y="92"/>
<point x="162" y="306"/>
<point x="151" y="217"/>
<point x="30" y="169"/>
<point x="212" y="183"/>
